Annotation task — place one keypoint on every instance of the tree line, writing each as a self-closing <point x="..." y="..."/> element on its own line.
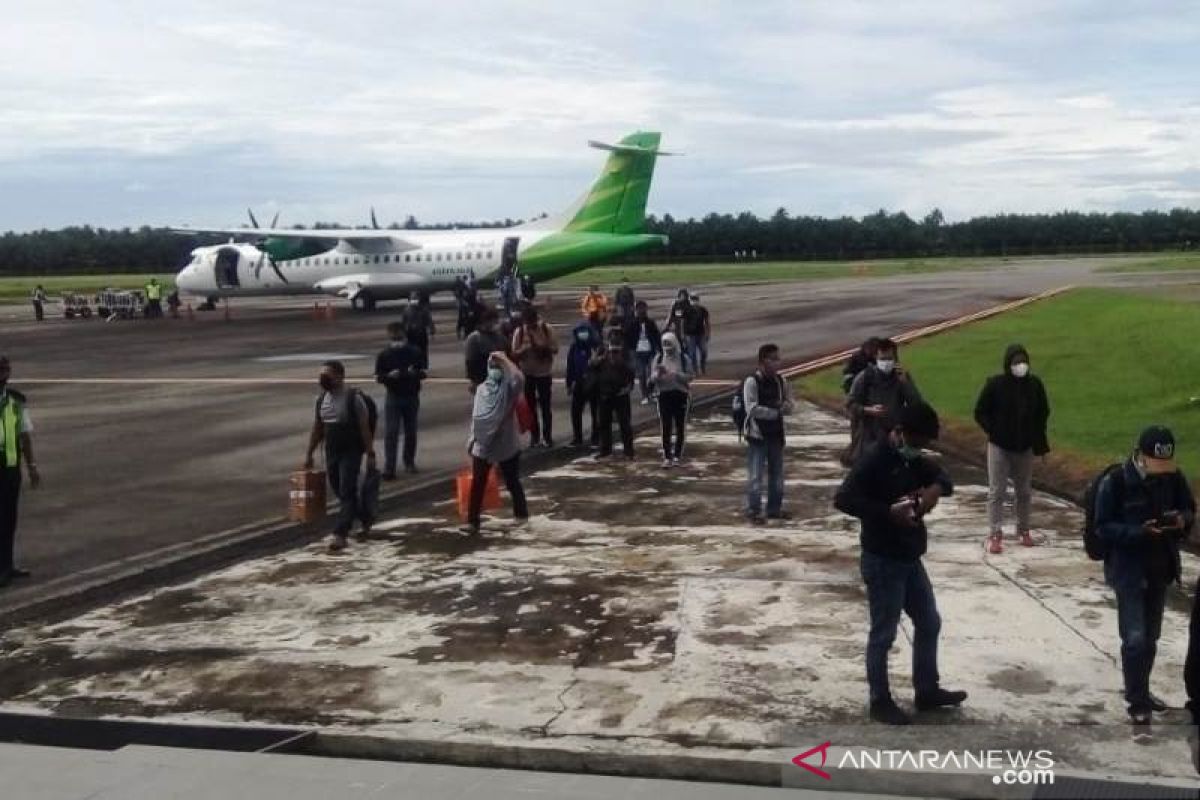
<point x="715" y="237"/>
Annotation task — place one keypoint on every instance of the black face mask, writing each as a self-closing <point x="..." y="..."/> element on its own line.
<point x="326" y="383"/>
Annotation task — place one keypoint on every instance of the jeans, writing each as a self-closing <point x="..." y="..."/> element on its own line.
<point x="511" y="471"/>
<point x="537" y="395"/>
<point x="342" y="468"/>
<point x="10" y="493"/>
<point x="691" y="349"/>
<point x="620" y="407"/>
<point x="1003" y="466"/>
<point x="578" y="401"/>
<point x="895" y="585"/>
<point x="400" y="411"/>
<point x="764" y="455"/>
<point x="420" y="340"/>
<point x="38" y="312"/>
<point x="641" y="368"/>
<point x="672" y="413"/>
<point x="702" y="353"/>
<point x="1139" y="621"/>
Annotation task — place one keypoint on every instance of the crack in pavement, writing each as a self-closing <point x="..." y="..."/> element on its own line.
<point x="544" y="729"/>
<point x="1025" y="590"/>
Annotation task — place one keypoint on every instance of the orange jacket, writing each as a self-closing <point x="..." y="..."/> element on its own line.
<point x="594" y="303"/>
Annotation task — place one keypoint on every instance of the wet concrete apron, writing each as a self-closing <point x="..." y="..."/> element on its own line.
<point x="636" y="611"/>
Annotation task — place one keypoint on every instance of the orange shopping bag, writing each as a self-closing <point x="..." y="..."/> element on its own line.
<point x="462" y="486"/>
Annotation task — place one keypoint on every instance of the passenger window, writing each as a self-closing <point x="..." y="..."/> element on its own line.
<point x="406" y="259"/>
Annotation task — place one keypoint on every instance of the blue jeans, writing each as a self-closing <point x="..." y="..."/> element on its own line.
<point x="1139" y="621"/>
<point x="895" y="585"/>
<point x="702" y="353"/>
<point x="764" y="455"/>
<point x="641" y="368"/>
<point x="342" y="469"/>
<point x="400" y="411"/>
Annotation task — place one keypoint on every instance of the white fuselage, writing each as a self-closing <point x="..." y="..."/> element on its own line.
<point x="382" y="268"/>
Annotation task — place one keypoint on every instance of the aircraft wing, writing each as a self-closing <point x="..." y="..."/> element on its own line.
<point x="395" y="237"/>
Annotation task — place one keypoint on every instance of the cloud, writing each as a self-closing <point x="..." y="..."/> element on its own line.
<point x="470" y="110"/>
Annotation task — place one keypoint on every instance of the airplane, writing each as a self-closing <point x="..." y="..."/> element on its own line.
<point x="366" y="266"/>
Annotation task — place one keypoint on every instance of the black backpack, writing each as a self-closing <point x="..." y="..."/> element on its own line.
<point x="1098" y="549"/>
<point x="737" y="409"/>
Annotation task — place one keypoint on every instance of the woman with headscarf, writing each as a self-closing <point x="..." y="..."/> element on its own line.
<point x="495" y="438"/>
<point x="671" y="379"/>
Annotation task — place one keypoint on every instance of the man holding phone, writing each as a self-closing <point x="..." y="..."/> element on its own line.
<point x="878" y="395"/>
<point x="1144" y="509"/>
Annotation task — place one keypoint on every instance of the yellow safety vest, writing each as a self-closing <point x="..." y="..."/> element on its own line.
<point x="153" y="291"/>
<point x="10" y="422"/>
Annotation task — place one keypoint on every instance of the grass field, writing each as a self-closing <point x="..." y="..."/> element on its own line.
<point x="1173" y="262"/>
<point x="1112" y="364"/>
<point x="769" y="271"/>
<point x="13" y="290"/>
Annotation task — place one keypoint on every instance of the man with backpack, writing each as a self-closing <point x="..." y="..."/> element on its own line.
<point x="399" y="367"/>
<point x="586" y="342"/>
<point x="878" y="395"/>
<point x="1012" y="410"/>
<point x="890" y="489"/>
<point x="766" y="400"/>
<point x="1138" y="512"/>
<point x="345" y="421"/>
<point x="644" y="342"/>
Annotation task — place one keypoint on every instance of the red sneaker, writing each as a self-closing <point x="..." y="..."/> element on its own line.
<point x="995" y="543"/>
<point x="1026" y="539"/>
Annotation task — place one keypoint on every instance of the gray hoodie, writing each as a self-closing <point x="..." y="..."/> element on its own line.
<point x="669" y="374"/>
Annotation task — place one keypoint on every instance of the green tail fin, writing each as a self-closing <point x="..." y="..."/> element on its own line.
<point x="616" y="203"/>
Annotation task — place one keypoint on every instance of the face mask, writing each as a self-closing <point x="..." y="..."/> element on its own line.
<point x="1020" y="370"/>
<point x="397" y="343"/>
<point x="885" y="365"/>
<point x="326" y="383"/>
<point x="582" y="336"/>
<point x="495" y="374"/>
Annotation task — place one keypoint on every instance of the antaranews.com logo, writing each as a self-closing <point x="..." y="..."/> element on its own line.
<point x="1007" y="767"/>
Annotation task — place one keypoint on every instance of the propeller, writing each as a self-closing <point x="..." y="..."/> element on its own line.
<point x="265" y="256"/>
<point x="374" y="222"/>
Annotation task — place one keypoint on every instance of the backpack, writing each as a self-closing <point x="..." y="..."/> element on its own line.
<point x="737" y="409"/>
<point x="1098" y="549"/>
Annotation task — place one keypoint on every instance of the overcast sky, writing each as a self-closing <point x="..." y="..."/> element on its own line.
<point x="185" y="112"/>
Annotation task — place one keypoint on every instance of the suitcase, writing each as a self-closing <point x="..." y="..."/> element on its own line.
<point x="306" y="497"/>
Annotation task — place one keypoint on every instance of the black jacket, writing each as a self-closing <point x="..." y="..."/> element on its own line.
<point x="881" y="478"/>
<point x="633" y="332"/>
<point x="1124" y="503"/>
<point x="854" y="365"/>
<point x="479" y="346"/>
<point x="607" y="379"/>
<point x="407" y="359"/>
<point x="1013" y="411"/>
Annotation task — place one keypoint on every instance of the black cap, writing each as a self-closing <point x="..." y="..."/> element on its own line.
<point x="920" y="419"/>
<point x="1158" y="443"/>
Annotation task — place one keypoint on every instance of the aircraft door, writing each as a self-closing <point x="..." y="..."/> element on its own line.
<point x="508" y="256"/>
<point x="226" y="268"/>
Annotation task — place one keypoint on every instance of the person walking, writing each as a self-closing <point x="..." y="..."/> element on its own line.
<point x="16" y="451"/>
<point x="39" y="303"/>
<point x="611" y="381"/>
<point x="343" y="422"/>
<point x="855" y="365"/>
<point x="625" y="302"/>
<point x="1143" y="509"/>
<point x="480" y="345"/>
<point x="586" y="343"/>
<point x="767" y="398"/>
<point x="418" y="326"/>
<point x="878" y="395"/>
<point x="701" y="333"/>
<point x="534" y="346"/>
<point x="677" y="318"/>
<point x="890" y="489"/>
<point x="672" y="377"/>
<point x="399" y="368"/>
<point x="1012" y="410"/>
<point x="495" y="439"/>
<point x="644" y="342"/>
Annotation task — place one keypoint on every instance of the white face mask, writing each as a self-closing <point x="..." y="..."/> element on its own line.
<point x="885" y="365"/>
<point x="1020" y="370"/>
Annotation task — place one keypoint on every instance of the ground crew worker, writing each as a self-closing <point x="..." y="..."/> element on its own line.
<point x="16" y="447"/>
<point x="153" y="299"/>
<point x="595" y="304"/>
<point x="39" y="302"/>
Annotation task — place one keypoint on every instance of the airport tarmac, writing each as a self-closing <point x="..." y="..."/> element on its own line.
<point x="151" y="434"/>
